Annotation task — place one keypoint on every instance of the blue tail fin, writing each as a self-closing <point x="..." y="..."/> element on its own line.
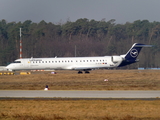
<point x="134" y="51"/>
<point x="131" y="56"/>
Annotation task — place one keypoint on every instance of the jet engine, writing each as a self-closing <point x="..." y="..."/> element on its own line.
<point x="116" y="59"/>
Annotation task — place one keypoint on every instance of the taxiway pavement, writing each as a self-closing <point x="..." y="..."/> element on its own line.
<point x="78" y="94"/>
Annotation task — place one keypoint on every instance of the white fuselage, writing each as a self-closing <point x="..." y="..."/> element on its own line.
<point x="78" y="63"/>
<point x="66" y="63"/>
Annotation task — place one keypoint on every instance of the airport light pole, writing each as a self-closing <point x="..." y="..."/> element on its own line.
<point x="75" y="51"/>
<point x="20" y="45"/>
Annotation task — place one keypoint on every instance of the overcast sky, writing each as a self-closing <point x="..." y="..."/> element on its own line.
<point x="56" y="11"/>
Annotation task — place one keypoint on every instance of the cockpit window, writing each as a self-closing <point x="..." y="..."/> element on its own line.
<point x="17" y="61"/>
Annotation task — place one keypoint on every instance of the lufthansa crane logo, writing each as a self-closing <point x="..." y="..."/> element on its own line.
<point x="134" y="53"/>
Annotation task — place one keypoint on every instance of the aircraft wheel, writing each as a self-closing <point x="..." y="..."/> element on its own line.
<point x="87" y="72"/>
<point x="80" y="72"/>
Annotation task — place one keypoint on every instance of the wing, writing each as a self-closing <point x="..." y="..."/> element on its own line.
<point x="85" y="68"/>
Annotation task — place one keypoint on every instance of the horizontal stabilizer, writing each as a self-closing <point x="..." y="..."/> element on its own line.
<point x="138" y="45"/>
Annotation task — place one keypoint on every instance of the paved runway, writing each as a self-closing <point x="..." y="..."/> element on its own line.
<point x="78" y="94"/>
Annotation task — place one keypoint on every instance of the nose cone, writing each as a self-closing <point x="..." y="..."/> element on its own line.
<point x="8" y="68"/>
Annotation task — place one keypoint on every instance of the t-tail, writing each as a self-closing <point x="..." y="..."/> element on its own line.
<point x="131" y="56"/>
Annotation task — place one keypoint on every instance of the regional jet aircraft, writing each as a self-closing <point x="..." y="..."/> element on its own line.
<point x="78" y="63"/>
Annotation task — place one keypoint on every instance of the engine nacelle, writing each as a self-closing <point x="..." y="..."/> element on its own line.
<point x="116" y="59"/>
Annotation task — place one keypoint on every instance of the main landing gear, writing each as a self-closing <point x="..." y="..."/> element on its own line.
<point x="80" y="72"/>
<point x="87" y="72"/>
